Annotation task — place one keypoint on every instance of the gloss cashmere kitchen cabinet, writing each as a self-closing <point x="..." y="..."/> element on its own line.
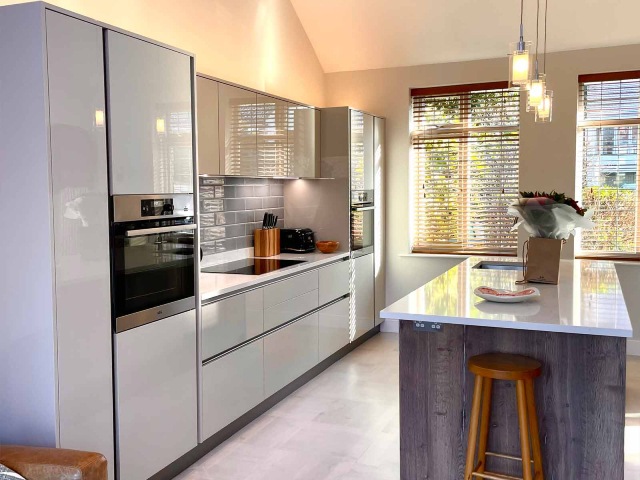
<point x="149" y="91"/>
<point x="238" y="131"/>
<point x="208" y="125"/>
<point x="55" y="346"/>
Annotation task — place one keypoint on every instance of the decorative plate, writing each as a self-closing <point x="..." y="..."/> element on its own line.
<point x="506" y="296"/>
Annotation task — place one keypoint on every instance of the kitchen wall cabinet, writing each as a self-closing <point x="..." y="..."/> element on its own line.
<point x="303" y="141"/>
<point x="149" y="91"/>
<point x="231" y="321"/>
<point x="156" y="395"/>
<point x="272" y="118"/>
<point x="238" y="131"/>
<point x="231" y="386"/>
<point x="333" y="332"/>
<point x="208" y="126"/>
<point x="363" y="296"/>
<point x="290" y="352"/>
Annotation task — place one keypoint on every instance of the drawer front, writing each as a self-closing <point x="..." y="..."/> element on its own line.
<point x="290" y="309"/>
<point x="290" y="288"/>
<point x="333" y="328"/>
<point x="231" y="386"/>
<point x="290" y="352"/>
<point x="333" y="282"/>
<point x="231" y="321"/>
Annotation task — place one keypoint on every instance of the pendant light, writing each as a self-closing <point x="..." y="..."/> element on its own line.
<point x="544" y="109"/>
<point x="520" y="58"/>
<point x="537" y="85"/>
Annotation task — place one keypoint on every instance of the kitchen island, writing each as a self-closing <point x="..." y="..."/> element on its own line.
<point x="577" y="329"/>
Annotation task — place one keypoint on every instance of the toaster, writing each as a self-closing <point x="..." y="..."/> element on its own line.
<point x="297" y="240"/>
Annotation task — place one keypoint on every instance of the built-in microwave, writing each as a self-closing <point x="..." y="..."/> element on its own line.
<point x="153" y="258"/>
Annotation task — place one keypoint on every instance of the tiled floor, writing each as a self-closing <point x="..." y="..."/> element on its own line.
<point x="343" y="425"/>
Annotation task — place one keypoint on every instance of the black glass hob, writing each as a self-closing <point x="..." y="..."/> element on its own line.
<point x="252" y="266"/>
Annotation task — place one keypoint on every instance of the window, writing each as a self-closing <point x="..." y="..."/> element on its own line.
<point x="608" y="122"/>
<point x="465" y="153"/>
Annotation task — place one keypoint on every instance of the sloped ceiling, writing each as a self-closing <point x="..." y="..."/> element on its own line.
<point x="366" y="34"/>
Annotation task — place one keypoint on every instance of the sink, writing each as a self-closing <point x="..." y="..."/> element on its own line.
<point x="498" y="265"/>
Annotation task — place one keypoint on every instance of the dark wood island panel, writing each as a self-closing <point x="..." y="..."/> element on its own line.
<point x="580" y="398"/>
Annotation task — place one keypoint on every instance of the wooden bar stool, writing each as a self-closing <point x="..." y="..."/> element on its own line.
<point x="522" y="370"/>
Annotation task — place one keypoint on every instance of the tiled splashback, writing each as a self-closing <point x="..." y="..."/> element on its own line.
<point x="232" y="207"/>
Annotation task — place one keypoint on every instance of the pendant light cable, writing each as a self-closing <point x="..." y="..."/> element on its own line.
<point x="544" y="62"/>
<point x="521" y="43"/>
<point x="537" y="35"/>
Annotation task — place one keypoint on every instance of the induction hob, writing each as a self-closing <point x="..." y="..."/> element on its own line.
<point x="252" y="266"/>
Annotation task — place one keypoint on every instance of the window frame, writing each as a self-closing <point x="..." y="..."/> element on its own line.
<point x="580" y="125"/>
<point x="461" y="90"/>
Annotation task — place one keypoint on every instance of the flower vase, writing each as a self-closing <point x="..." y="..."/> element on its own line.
<point x="542" y="260"/>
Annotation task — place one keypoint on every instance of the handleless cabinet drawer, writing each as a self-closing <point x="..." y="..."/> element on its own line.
<point x="290" y="352"/>
<point x="290" y="288"/>
<point x="333" y="328"/>
<point x="290" y="309"/>
<point x="333" y="282"/>
<point x="231" y="321"/>
<point x="231" y="386"/>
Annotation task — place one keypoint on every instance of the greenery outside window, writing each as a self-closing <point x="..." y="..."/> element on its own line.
<point x="608" y="122"/>
<point x="465" y="168"/>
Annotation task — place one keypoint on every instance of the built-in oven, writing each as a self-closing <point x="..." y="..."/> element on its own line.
<point x="362" y="222"/>
<point x="153" y="258"/>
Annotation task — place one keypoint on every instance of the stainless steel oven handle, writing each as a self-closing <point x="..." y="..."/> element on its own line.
<point x="362" y="209"/>
<point x="150" y="231"/>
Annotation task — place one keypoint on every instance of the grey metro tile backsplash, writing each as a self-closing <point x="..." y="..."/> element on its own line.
<point x="232" y="207"/>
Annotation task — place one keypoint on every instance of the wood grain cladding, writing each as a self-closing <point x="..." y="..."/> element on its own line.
<point x="580" y="398"/>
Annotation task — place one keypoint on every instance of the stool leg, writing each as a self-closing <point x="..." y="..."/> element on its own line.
<point x="484" y="424"/>
<point x="524" y="430"/>
<point x="538" y="474"/>
<point x="473" y="428"/>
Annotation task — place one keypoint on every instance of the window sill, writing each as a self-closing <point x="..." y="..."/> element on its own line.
<point x="437" y="255"/>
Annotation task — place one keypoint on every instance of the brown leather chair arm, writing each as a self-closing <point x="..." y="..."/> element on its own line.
<point x="36" y="463"/>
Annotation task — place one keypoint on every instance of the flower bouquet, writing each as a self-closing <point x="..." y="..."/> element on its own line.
<point x="550" y="219"/>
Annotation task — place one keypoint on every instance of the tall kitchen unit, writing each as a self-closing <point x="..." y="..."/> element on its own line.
<point x="57" y="139"/>
<point x="349" y="207"/>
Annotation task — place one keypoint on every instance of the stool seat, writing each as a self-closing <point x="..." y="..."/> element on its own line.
<point x="505" y="366"/>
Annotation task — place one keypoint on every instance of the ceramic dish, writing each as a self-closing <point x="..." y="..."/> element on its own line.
<point x="506" y="296"/>
<point x="327" y="246"/>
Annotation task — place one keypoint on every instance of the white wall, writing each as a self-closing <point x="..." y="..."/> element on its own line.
<point x="547" y="151"/>
<point x="257" y="43"/>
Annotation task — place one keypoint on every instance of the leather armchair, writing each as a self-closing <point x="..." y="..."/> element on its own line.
<point x="36" y="463"/>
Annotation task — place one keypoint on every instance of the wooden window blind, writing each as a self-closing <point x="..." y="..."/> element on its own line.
<point x="465" y="163"/>
<point x="608" y="123"/>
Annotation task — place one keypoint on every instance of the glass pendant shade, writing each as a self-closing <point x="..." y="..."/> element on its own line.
<point x="536" y="92"/>
<point x="545" y="109"/>
<point x="519" y="64"/>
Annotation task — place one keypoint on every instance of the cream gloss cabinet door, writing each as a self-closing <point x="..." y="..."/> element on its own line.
<point x="207" y="111"/>
<point x="238" y="131"/>
<point x="290" y="352"/>
<point x="81" y="234"/>
<point x="333" y="328"/>
<point x="304" y="141"/>
<point x="272" y="137"/>
<point x="156" y="399"/>
<point x="231" y="386"/>
<point x="150" y="117"/>
<point x="362" y="296"/>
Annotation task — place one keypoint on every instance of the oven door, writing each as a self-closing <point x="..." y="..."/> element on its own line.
<point x="153" y="271"/>
<point x="362" y="219"/>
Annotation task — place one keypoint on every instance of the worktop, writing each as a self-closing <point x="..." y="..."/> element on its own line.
<point x="213" y="285"/>
<point x="587" y="300"/>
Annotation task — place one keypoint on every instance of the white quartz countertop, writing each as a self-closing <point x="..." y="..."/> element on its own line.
<point x="587" y="300"/>
<point x="217" y="284"/>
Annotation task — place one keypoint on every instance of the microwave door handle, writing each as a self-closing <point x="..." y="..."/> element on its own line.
<point x="363" y="209"/>
<point x="150" y="231"/>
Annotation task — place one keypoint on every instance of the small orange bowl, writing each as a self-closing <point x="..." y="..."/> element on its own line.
<point x="327" y="246"/>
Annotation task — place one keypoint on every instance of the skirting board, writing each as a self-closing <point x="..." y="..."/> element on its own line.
<point x="633" y="347"/>
<point x="189" y="458"/>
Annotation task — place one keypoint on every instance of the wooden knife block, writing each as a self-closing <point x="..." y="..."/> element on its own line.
<point x="266" y="242"/>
